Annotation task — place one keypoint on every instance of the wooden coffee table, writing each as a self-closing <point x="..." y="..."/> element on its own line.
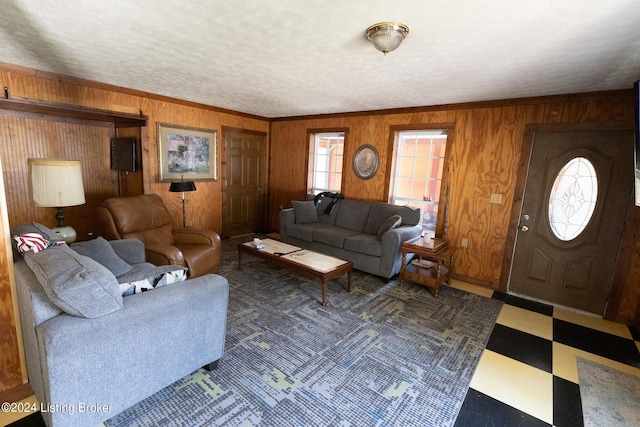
<point x="300" y="261"/>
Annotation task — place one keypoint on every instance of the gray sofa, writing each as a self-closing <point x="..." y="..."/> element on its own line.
<point x="85" y="344"/>
<point x="369" y="234"/>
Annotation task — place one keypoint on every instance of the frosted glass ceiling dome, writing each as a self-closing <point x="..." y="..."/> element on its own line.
<point x="387" y="36"/>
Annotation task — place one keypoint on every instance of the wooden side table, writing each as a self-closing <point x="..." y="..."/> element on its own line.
<point x="432" y="264"/>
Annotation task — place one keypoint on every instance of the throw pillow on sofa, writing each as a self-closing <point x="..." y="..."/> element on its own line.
<point x="146" y="279"/>
<point x="101" y="251"/>
<point x="392" y="222"/>
<point x="35" y="227"/>
<point x="75" y="283"/>
<point x="305" y="211"/>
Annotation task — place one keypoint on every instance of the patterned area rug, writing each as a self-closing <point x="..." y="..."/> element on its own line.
<point x="609" y="397"/>
<point x="378" y="356"/>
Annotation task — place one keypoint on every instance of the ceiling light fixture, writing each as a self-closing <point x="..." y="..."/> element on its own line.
<point x="387" y="36"/>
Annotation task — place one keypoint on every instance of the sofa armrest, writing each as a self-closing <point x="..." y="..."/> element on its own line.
<point x="164" y="254"/>
<point x="196" y="236"/>
<point x="392" y="241"/>
<point x="156" y="338"/>
<point x="405" y="233"/>
<point x="130" y="250"/>
<point x="286" y="216"/>
<point x="394" y="238"/>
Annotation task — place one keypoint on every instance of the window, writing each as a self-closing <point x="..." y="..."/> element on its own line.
<point x="573" y="198"/>
<point x="417" y="173"/>
<point x="325" y="161"/>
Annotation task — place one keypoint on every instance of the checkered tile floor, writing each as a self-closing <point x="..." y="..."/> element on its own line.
<point x="528" y="373"/>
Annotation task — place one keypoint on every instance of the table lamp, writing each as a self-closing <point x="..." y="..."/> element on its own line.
<point x="55" y="183"/>
<point x="181" y="187"/>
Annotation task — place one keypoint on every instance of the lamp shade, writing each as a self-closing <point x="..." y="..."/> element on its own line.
<point x="55" y="182"/>
<point x="177" y="187"/>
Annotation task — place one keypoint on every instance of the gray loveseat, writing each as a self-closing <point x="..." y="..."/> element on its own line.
<point x="369" y="234"/>
<point x="90" y="352"/>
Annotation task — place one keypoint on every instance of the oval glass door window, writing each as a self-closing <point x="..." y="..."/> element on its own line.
<point x="573" y="198"/>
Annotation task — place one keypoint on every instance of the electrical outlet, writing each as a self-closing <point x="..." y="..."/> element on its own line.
<point x="496" y="198"/>
<point x="464" y="242"/>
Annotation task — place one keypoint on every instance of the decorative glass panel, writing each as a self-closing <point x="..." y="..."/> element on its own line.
<point x="573" y="198"/>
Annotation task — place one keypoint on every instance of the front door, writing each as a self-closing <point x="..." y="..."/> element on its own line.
<point x="575" y="201"/>
<point x="244" y="179"/>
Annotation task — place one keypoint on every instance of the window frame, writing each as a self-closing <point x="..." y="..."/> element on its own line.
<point x="442" y="220"/>
<point x="311" y="156"/>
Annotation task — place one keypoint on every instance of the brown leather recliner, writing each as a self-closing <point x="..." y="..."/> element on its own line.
<point x="146" y="218"/>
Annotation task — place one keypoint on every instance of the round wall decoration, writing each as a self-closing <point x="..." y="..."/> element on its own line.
<point x="366" y="161"/>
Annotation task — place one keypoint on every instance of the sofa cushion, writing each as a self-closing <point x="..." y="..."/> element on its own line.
<point x="380" y="212"/>
<point x="151" y="277"/>
<point x="101" y="251"/>
<point x="392" y="222"/>
<point x="323" y="205"/>
<point x="305" y="211"/>
<point x="75" y="283"/>
<point x="353" y="214"/>
<point x="333" y="236"/>
<point x="364" y="243"/>
<point x="305" y="231"/>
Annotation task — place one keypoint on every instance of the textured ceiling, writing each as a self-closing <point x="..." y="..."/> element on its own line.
<point x="291" y="57"/>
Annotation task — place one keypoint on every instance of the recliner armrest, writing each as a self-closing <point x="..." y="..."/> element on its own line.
<point x="196" y="236"/>
<point x="164" y="254"/>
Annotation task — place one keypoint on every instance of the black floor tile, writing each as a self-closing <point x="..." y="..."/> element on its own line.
<point x="500" y="296"/>
<point x="33" y="420"/>
<point x="567" y="404"/>
<point x="528" y="304"/>
<point x="601" y="343"/>
<point x="635" y="332"/>
<point x="521" y="346"/>
<point x="480" y="410"/>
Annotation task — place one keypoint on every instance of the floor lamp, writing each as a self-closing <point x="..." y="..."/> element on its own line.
<point x="181" y="187"/>
<point x="55" y="183"/>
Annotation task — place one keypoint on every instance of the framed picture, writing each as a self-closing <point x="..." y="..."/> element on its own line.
<point x="188" y="152"/>
<point x="366" y="161"/>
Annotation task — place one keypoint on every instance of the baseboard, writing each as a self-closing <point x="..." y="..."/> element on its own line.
<point x="16" y="393"/>
<point x="474" y="281"/>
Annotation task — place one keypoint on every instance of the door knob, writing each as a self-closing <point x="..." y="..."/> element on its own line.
<point x="524" y="228"/>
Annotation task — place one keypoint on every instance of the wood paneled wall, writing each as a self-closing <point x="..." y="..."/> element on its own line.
<point x="484" y="159"/>
<point x="10" y="363"/>
<point x="23" y="137"/>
